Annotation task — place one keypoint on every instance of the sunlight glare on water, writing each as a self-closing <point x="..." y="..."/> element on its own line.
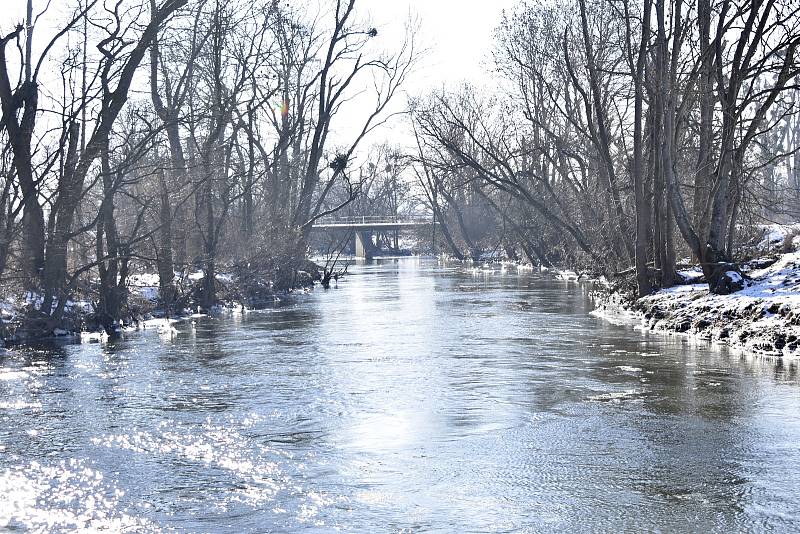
<point x="414" y="397"/>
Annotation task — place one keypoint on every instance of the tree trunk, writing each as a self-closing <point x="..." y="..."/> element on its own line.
<point x="643" y="286"/>
<point x="705" y="134"/>
<point x="110" y="304"/>
<point x="55" y="267"/>
<point x="166" y="268"/>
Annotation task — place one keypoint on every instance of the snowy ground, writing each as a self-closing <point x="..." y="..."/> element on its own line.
<point x="764" y="317"/>
<point x="143" y="285"/>
<point x="146" y="284"/>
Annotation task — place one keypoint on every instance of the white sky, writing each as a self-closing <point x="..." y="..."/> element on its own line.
<point x="456" y="34"/>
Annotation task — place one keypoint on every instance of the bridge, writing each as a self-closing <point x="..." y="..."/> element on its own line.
<point x="364" y="227"/>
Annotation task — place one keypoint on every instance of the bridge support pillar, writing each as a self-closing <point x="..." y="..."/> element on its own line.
<point x="364" y="245"/>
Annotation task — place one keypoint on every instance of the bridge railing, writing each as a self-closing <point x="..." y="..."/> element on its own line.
<point x="374" y="219"/>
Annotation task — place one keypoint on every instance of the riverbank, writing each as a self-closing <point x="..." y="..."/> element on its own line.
<point x="20" y="321"/>
<point x="762" y="318"/>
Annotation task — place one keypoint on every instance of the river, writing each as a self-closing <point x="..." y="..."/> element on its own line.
<point x="412" y="398"/>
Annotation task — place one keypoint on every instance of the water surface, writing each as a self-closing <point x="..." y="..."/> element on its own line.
<point x="412" y="398"/>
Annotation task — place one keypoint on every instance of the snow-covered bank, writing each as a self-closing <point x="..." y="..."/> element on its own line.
<point x="763" y="318"/>
<point x="237" y="292"/>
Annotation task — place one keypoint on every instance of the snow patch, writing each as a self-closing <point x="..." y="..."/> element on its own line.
<point x="733" y="276"/>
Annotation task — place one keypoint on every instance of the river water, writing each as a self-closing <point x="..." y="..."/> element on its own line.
<point x="412" y="398"/>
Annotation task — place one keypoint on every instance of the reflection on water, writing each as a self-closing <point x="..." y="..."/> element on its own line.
<point x="413" y="398"/>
